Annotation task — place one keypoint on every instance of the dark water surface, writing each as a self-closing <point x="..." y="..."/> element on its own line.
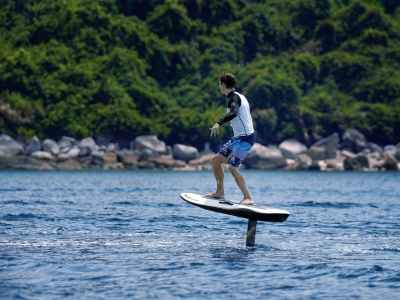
<point x="128" y="235"/>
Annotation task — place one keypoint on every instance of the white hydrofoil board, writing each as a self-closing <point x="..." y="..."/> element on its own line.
<point x="252" y="212"/>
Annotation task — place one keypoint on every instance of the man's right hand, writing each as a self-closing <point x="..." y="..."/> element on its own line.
<point x="214" y="130"/>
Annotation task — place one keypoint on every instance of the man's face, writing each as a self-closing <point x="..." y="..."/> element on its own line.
<point x="221" y="87"/>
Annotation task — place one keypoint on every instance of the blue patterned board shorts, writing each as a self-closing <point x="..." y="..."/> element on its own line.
<point x="237" y="148"/>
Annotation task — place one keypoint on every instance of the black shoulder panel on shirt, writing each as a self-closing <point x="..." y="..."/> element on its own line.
<point x="234" y="100"/>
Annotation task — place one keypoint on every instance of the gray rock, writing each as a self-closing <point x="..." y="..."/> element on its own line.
<point x="335" y="164"/>
<point x="9" y="146"/>
<point x="303" y="162"/>
<point x="185" y="153"/>
<point x="98" y="154"/>
<point x="390" y="162"/>
<point x="354" y="141"/>
<point x="374" y="147"/>
<point x="291" y="147"/>
<point x="146" y="154"/>
<point x="34" y="146"/>
<point x="112" y="147"/>
<point x="358" y="163"/>
<point x="264" y="158"/>
<point x="150" y="142"/>
<point x="43" y="155"/>
<point x="84" y="152"/>
<point x="66" y="143"/>
<point x="146" y="165"/>
<point x="128" y="158"/>
<point x="97" y="161"/>
<point x="51" y="146"/>
<point x="72" y="153"/>
<point x="331" y="143"/>
<point x="374" y="159"/>
<point x="203" y="160"/>
<point x="86" y="146"/>
<point x="167" y="162"/>
<point x="390" y="149"/>
<point x="69" y="164"/>
<point x="317" y="153"/>
<point x="21" y="162"/>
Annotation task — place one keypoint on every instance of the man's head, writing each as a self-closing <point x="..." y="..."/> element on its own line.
<point x="226" y="82"/>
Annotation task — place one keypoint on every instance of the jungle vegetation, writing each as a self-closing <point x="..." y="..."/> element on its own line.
<point x="123" y="68"/>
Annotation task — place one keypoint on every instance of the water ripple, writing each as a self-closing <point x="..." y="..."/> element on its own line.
<point x="128" y="235"/>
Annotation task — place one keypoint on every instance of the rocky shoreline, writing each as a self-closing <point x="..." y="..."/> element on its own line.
<point x="351" y="152"/>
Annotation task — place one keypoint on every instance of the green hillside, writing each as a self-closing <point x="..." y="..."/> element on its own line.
<point x="123" y="68"/>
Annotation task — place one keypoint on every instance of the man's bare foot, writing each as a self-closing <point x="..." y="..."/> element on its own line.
<point x="215" y="195"/>
<point x="247" y="202"/>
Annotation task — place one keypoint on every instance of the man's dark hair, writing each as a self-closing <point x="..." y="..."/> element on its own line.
<point x="228" y="79"/>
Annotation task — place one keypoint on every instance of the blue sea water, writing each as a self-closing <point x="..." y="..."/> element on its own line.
<point x="128" y="235"/>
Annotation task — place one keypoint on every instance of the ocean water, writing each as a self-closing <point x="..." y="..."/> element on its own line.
<point x="128" y="235"/>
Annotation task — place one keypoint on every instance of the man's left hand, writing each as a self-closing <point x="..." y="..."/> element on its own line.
<point x="214" y="130"/>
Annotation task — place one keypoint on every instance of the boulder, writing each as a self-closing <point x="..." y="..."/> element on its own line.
<point x="146" y="165"/>
<point x="86" y="146"/>
<point x="97" y="161"/>
<point x="21" y="162"/>
<point x="9" y="146"/>
<point x="66" y="143"/>
<point x="146" y="154"/>
<point x="358" y="163"/>
<point x="303" y="162"/>
<point x="113" y="166"/>
<point x="264" y="158"/>
<point x="110" y="157"/>
<point x="353" y="141"/>
<point x="331" y="143"/>
<point x="185" y="153"/>
<point x="204" y="159"/>
<point x="375" y="159"/>
<point x="149" y="142"/>
<point x="348" y="154"/>
<point x="335" y="164"/>
<point x="291" y="147"/>
<point x="69" y="164"/>
<point x="72" y="153"/>
<point x="43" y="155"/>
<point x="390" y="149"/>
<point x="389" y="162"/>
<point x="317" y="153"/>
<point x="112" y="147"/>
<point x="128" y="158"/>
<point x="374" y="147"/>
<point x="167" y="162"/>
<point x="34" y="146"/>
<point x="51" y="146"/>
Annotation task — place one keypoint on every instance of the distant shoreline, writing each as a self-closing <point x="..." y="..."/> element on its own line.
<point x="352" y="152"/>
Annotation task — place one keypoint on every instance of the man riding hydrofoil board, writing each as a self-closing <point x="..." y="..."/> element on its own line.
<point x="235" y="150"/>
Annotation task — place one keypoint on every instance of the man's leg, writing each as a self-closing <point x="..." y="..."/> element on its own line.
<point x="241" y="182"/>
<point x="218" y="160"/>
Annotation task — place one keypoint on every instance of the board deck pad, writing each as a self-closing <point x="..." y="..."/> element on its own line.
<point x="252" y="212"/>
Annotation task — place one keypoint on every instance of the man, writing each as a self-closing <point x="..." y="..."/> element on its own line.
<point x="236" y="149"/>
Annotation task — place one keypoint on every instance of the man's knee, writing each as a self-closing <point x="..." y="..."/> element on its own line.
<point x="219" y="159"/>
<point x="231" y="168"/>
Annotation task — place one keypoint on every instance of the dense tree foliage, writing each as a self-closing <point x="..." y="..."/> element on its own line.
<point x="123" y="68"/>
